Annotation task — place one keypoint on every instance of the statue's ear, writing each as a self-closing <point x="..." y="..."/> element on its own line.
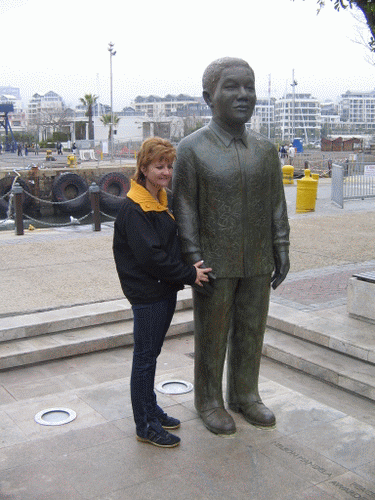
<point x="207" y="98"/>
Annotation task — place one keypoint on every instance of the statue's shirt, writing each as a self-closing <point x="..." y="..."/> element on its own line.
<point x="229" y="201"/>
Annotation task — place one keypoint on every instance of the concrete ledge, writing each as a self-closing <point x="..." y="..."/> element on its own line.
<point x="70" y="318"/>
<point x="343" y="371"/>
<point x="350" y="337"/>
<point x="26" y="351"/>
<point x="41" y="323"/>
<point x="361" y="299"/>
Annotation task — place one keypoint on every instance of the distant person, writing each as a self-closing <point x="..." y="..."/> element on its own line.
<point x="19" y="150"/>
<point x="36" y="149"/>
<point x="1" y="148"/>
<point x="151" y="271"/>
<point x="291" y="153"/>
<point x="74" y="148"/>
<point x="283" y="154"/>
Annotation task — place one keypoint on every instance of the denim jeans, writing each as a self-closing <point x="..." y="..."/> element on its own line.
<point x="151" y="323"/>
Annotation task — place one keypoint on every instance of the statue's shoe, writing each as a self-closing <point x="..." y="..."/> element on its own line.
<point x="256" y="413"/>
<point x="218" y="421"/>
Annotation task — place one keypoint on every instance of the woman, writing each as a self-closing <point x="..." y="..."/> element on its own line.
<point x="151" y="271"/>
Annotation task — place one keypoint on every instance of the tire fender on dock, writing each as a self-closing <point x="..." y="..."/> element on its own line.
<point x="72" y="191"/>
<point x="6" y="184"/>
<point x="3" y="209"/>
<point x="113" y="188"/>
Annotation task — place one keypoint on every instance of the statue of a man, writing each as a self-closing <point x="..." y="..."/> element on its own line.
<point x="230" y="206"/>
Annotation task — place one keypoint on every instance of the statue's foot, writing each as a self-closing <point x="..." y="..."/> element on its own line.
<point x="256" y="413"/>
<point x="218" y="421"/>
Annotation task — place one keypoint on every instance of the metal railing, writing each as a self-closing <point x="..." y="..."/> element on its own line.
<point x="352" y="180"/>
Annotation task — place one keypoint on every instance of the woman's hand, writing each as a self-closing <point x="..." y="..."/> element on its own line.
<point x="201" y="273"/>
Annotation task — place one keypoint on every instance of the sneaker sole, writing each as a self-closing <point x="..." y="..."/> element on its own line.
<point x="171" y="428"/>
<point x="145" y="440"/>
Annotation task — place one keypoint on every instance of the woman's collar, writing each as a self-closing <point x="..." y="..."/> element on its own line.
<point x="145" y="200"/>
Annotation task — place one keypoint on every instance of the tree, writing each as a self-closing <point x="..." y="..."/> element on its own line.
<point x="50" y="120"/>
<point x="107" y="121"/>
<point x="366" y="6"/>
<point x="89" y="101"/>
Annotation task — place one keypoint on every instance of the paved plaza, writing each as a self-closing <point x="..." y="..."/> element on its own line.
<point x="323" y="446"/>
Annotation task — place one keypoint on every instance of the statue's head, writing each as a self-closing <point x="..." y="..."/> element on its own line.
<point x="229" y="90"/>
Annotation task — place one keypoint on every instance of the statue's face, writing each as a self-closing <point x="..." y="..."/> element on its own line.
<point x="233" y="100"/>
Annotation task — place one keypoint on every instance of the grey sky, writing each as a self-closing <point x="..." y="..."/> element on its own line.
<point x="163" y="47"/>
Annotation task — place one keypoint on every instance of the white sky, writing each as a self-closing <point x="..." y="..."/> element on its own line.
<point x="164" y="46"/>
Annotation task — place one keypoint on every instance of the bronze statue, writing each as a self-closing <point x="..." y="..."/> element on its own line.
<point x="230" y="207"/>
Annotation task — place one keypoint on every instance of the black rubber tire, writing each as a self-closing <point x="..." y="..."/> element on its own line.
<point x="113" y="188"/>
<point x="3" y="209"/>
<point x="68" y="189"/>
<point x="6" y="184"/>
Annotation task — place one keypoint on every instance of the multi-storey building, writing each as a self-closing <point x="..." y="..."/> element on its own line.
<point x="16" y="118"/>
<point x="357" y="110"/>
<point x="47" y="114"/>
<point x="263" y="118"/>
<point x="98" y="109"/>
<point x="39" y="104"/>
<point x="170" y="105"/>
<point x="297" y="115"/>
<point x="13" y="91"/>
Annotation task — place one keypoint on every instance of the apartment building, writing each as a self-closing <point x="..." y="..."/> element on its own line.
<point x="298" y="115"/>
<point x="171" y="105"/>
<point x="17" y="118"/>
<point x="44" y="104"/>
<point x="263" y="118"/>
<point x="357" y="109"/>
<point x="13" y="91"/>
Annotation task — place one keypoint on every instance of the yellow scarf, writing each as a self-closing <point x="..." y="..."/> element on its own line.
<point x="146" y="201"/>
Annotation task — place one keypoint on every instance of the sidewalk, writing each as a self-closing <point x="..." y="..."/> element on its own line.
<point x="323" y="447"/>
<point x="53" y="268"/>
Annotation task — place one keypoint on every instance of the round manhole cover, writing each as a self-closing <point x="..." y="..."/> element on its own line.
<point x="55" y="416"/>
<point x="174" y="387"/>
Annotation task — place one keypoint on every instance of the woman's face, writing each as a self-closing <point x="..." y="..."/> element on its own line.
<point x="158" y="174"/>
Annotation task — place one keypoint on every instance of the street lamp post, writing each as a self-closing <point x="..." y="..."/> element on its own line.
<point x="112" y="53"/>
<point x="294" y="84"/>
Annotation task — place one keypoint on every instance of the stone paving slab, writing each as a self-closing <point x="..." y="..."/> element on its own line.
<point x="317" y="451"/>
<point x="320" y="288"/>
<point x="323" y="447"/>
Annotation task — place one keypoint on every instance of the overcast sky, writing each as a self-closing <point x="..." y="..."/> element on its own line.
<point x="163" y="47"/>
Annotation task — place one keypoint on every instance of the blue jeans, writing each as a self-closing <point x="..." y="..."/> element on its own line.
<point x="151" y="323"/>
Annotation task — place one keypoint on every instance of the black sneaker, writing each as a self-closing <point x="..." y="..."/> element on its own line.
<point x="161" y="438"/>
<point x="168" y="422"/>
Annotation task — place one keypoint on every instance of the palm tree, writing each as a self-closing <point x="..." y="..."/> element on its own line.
<point x="89" y="101"/>
<point x="107" y="121"/>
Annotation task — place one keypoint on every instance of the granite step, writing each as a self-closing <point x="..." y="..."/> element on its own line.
<point x="337" y="368"/>
<point x="330" y="328"/>
<point x="328" y="345"/>
<point x="71" y="342"/>
<point x="69" y="318"/>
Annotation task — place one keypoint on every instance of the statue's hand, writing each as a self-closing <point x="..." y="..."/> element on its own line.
<point x="204" y="285"/>
<point x="282" y="266"/>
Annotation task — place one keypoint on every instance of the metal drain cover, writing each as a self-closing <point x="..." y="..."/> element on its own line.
<point x="174" y="387"/>
<point x="55" y="416"/>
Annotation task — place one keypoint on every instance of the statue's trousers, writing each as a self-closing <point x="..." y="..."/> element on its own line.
<point x="234" y="318"/>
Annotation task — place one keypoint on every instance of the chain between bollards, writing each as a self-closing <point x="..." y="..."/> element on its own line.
<point x="17" y="193"/>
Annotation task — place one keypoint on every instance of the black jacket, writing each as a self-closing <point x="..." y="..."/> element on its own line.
<point x="147" y="254"/>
